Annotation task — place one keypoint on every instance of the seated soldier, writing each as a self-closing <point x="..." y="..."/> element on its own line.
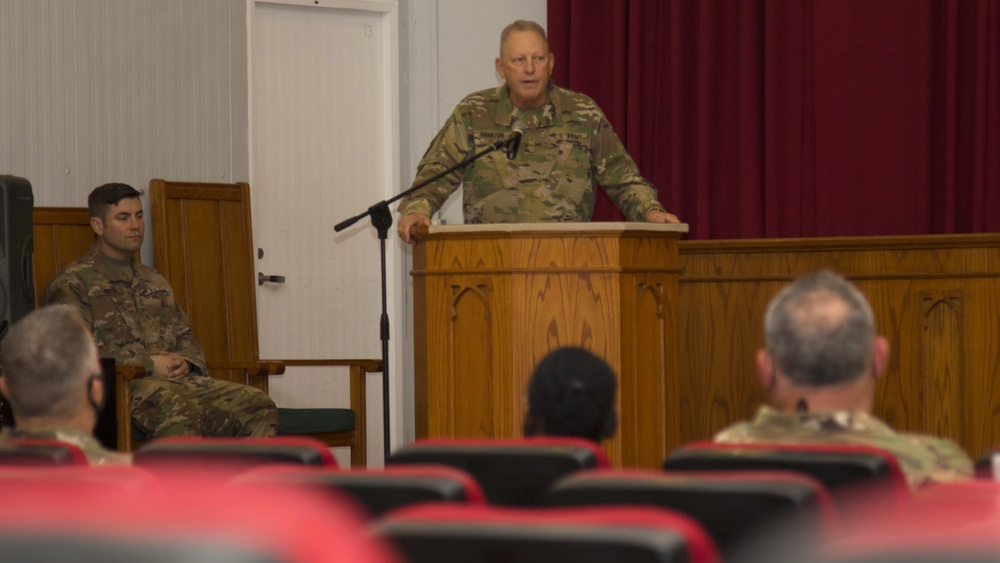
<point x="571" y="393"/>
<point x="53" y="382"/>
<point x="820" y="366"/>
<point x="131" y="310"/>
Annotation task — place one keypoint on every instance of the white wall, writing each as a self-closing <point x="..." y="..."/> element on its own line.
<point x="121" y="91"/>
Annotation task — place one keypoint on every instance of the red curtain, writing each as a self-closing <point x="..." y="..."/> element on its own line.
<point x="798" y="118"/>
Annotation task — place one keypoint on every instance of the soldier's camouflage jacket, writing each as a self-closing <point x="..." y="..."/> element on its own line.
<point x="567" y="149"/>
<point x="924" y="459"/>
<point x="129" y="307"/>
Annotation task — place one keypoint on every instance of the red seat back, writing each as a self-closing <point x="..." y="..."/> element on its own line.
<point x="37" y="453"/>
<point x="735" y="507"/>
<point x="849" y="471"/>
<point x="377" y="490"/>
<point x="625" y="534"/>
<point x="511" y="471"/>
<point x="231" y="455"/>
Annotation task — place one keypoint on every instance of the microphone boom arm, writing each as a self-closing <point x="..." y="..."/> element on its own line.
<point x="385" y="203"/>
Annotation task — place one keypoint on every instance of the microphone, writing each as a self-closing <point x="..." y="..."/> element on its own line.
<point x="514" y="143"/>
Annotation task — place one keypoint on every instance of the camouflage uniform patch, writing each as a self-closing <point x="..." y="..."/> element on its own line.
<point x="567" y="149"/>
<point x="131" y="310"/>
<point x="924" y="459"/>
<point x="95" y="452"/>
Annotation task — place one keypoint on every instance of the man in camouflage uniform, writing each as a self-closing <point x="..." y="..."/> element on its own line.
<point x="132" y="313"/>
<point x="820" y="366"/>
<point x="566" y="149"/>
<point x="52" y="377"/>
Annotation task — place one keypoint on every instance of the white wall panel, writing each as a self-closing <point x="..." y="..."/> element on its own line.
<point x="37" y="97"/>
<point x="93" y="91"/>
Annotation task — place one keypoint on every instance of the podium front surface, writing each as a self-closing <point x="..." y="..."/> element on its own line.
<point x="491" y="300"/>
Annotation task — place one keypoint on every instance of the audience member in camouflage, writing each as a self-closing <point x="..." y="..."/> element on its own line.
<point x="134" y="317"/>
<point x="820" y="365"/>
<point x="567" y="148"/>
<point x="52" y="377"/>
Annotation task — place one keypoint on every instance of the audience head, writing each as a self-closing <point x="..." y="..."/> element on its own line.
<point x="51" y="372"/>
<point x="103" y="198"/>
<point x="820" y="333"/>
<point x="117" y="219"/>
<point x="571" y="393"/>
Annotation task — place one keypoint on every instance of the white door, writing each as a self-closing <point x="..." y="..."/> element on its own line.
<point x="324" y="138"/>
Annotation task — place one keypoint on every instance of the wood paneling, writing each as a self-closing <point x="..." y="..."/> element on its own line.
<point x="490" y="302"/>
<point x="936" y="299"/>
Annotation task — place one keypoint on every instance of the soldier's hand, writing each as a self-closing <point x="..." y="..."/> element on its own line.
<point x="661" y="217"/>
<point x="170" y="365"/>
<point x="406" y="222"/>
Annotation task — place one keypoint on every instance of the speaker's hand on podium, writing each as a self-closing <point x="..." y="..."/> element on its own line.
<point x="660" y="217"/>
<point x="407" y="222"/>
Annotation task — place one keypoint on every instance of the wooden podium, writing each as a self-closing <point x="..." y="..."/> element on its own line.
<point x="491" y="300"/>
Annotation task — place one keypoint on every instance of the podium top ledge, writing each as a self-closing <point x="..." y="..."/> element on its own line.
<point x="558" y="227"/>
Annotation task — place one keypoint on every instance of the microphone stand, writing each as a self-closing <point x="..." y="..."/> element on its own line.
<point x="381" y="219"/>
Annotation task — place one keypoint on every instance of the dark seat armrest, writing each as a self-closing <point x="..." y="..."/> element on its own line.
<point x="123" y="376"/>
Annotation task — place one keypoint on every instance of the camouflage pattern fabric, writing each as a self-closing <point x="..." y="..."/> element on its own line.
<point x="94" y="451"/>
<point x="199" y="405"/>
<point x="567" y="149"/>
<point x="131" y="310"/>
<point x="924" y="459"/>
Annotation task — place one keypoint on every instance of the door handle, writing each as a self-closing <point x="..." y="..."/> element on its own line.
<point x="261" y="279"/>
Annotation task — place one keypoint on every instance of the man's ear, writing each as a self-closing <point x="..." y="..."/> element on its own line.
<point x="552" y="62"/>
<point x="97" y="225"/>
<point x="3" y="386"/>
<point x="880" y="355"/>
<point x="765" y="369"/>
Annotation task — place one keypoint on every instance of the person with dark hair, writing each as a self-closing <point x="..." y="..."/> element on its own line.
<point x="131" y="310"/>
<point x="572" y="393"/>
<point x="820" y="365"/>
<point x="567" y="148"/>
<point x="52" y="379"/>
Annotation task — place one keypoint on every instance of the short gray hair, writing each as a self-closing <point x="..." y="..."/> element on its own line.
<point x="45" y="360"/>
<point x="522" y="25"/>
<point x="812" y="344"/>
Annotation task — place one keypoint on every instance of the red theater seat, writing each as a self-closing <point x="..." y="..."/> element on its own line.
<point x="512" y="471"/>
<point x="41" y="453"/>
<point x="377" y="490"/>
<point x="56" y="519"/>
<point x="953" y="522"/>
<point x="231" y="455"/>
<point x="734" y="507"/>
<point x="630" y="534"/>
<point x="848" y="471"/>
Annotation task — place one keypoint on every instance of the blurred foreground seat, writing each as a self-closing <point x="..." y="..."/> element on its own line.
<point x="954" y="522"/>
<point x="514" y="472"/>
<point x="734" y="507"/>
<point x="230" y="455"/>
<point x="40" y="453"/>
<point x="377" y="490"/>
<point x="455" y="533"/>
<point x="851" y="473"/>
<point x="73" y="519"/>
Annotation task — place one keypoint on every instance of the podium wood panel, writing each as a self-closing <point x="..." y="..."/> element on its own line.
<point x="491" y="301"/>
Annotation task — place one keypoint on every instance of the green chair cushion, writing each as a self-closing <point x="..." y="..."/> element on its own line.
<point x="310" y="421"/>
